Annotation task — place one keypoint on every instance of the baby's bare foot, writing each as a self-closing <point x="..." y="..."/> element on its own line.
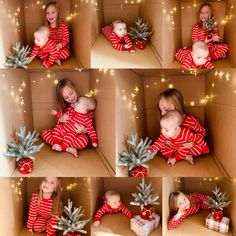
<point x="189" y="158"/>
<point x="56" y="147"/>
<point x="58" y="62"/>
<point x="72" y="150"/>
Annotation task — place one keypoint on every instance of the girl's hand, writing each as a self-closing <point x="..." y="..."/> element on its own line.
<point x="64" y="118"/>
<point x="189" y="145"/>
<point x="80" y="129"/>
<point x="96" y="223"/>
<point x="180" y="212"/>
<point x="216" y="38"/>
<point x="53" y="112"/>
<point x="208" y="40"/>
<point x="59" y="46"/>
<point x="94" y="144"/>
<point x="31" y="231"/>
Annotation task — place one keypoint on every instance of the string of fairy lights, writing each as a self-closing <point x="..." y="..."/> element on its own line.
<point x="77" y="184"/>
<point x="16" y="185"/>
<point x="179" y="180"/>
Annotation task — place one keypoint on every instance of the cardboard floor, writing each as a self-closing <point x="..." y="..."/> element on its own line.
<point x="205" y="166"/>
<point x="194" y="226"/>
<point x="222" y="63"/>
<point x="103" y="55"/>
<point x="52" y="163"/>
<point x="68" y="64"/>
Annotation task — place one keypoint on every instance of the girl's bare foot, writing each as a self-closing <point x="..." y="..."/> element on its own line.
<point x="56" y="147"/>
<point x="72" y="150"/>
<point x="58" y="62"/>
<point x="189" y="158"/>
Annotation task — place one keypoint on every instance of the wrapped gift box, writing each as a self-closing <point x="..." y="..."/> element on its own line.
<point x="222" y="226"/>
<point x="143" y="227"/>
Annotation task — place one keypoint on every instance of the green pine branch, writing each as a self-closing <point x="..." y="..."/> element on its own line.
<point x="144" y="197"/>
<point x="23" y="147"/>
<point x="137" y="155"/>
<point x="141" y="30"/>
<point x="219" y="200"/>
<point x="19" y="57"/>
<point x="72" y="223"/>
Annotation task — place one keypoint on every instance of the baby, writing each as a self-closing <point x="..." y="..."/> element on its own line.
<point x="197" y="58"/>
<point x="44" y="47"/>
<point x="177" y="137"/>
<point x="64" y="133"/>
<point x="112" y="204"/>
<point x="116" y="33"/>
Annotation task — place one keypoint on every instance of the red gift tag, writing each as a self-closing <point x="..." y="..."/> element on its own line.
<point x="217" y="215"/>
<point x="141" y="44"/>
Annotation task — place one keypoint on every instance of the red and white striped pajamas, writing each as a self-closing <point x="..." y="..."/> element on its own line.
<point x="79" y="142"/>
<point x="196" y="203"/>
<point x="216" y="50"/>
<point x="48" y="53"/>
<point x="39" y="216"/>
<point x="107" y="209"/>
<point x="185" y="58"/>
<point x="175" y="146"/>
<point x="60" y="34"/>
<point x="117" y="42"/>
<point x="63" y="134"/>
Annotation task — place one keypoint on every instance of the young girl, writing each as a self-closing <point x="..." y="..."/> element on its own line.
<point x="45" y="206"/>
<point x="216" y="49"/>
<point x="59" y="31"/>
<point x="67" y="96"/>
<point x="182" y="206"/>
<point x="172" y="99"/>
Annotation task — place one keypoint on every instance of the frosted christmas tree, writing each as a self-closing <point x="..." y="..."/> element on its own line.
<point x="72" y="223"/>
<point x="140" y="33"/>
<point x="19" y="57"/>
<point x="145" y="199"/>
<point x="136" y="157"/>
<point x="218" y="202"/>
<point x="23" y="148"/>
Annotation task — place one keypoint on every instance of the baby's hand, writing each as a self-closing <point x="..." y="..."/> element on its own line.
<point x="64" y="118"/>
<point x="80" y="129"/>
<point x="216" y="38"/>
<point x="128" y="46"/>
<point x="171" y="161"/>
<point x="53" y="112"/>
<point x="208" y="40"/>
<point x="188" y="145"/>
<point x="132" y="51"/>
<point x="94" y="144"/>
<point x="96" y="223"/>
<point x="59" y="46"/>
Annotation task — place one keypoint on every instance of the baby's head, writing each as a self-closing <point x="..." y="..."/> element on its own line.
<point x="41" y="36"/>
<point x="85" y="104"/>
<point x="170" y="124"/>
<point x="178" y="200"/>
<point x="119" y="28"/>
<point x="113" y="199"/>
<point x="200" y="53"/>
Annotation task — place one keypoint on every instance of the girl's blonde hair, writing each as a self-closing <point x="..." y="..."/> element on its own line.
<point x="205" y="4"/>
<point x="56" y="196"/>
<point x="63" y="105"/>
<point x="173" y="203"/>
<point x="56" y="5"/>
<point x="175" y="97"/>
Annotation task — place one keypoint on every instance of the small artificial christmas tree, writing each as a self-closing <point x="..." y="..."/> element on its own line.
<point x="136" y="156"/>
<point x="23" y="148"/>
<point x="209" y="25"/>
<point x="145" y="199"/>
<point x="19" y="57"/>
<point x="140" y="33"/>
<point x="72" y="225"/>
<point x="218" y="202"/>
